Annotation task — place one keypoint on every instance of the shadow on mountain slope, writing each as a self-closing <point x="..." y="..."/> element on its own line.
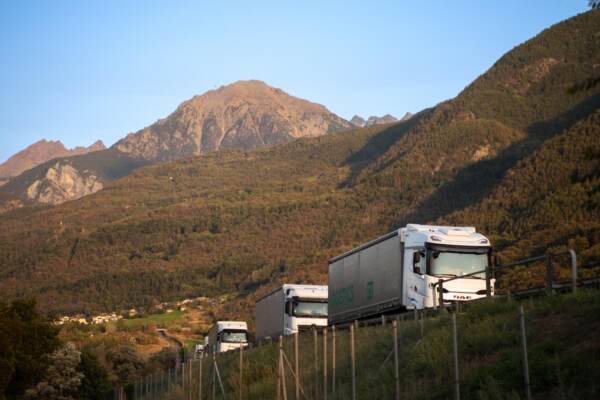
<point x="476" y="181"/>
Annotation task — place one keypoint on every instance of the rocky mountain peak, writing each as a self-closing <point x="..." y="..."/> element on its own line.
<point x="40" y="152"/>
<point x="242" y="115"/>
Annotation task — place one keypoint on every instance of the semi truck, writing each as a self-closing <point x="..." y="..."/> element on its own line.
<point x="226" y="335"/>
<point x="290" y="309"/>
<point x="401" y="270"/>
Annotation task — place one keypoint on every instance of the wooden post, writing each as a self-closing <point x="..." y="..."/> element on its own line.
<point x="396" y="369"/>
<point x="241" y="369"/>
<point x="573" y="270"/>
<point x="549" y="275"/>
<point x="200" y="378"/>
<point x="333" y="362"/>
<point x="282" y="369"/>
<point x="455" y="346"/>
<point x="422" y="322"/>
<point x="183" y="377"/>
<point x="353" y="362"/>
<point x="524" y="350"/>
<point x="325" y="363"/>
<point x="296" y="366"/>
<point x="316" y="362"/>
<point x="190" y="378"/>
<point x="214" y="377"/>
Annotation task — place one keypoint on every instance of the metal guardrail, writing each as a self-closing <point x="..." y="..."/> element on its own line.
<point x="439" y="285"/>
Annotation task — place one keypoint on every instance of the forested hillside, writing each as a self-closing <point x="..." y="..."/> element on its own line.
<point x="513" y="154"/>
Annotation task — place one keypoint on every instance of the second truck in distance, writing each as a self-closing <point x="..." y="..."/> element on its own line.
<point x="290" y="309"/>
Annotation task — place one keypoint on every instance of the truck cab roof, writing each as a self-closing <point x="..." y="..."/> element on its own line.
<point x="306" y="291"/>
<point x="233" y="325"/>
<point x="417" y="235"/>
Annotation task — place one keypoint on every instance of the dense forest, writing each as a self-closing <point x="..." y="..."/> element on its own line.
<point x="516" y="154"/>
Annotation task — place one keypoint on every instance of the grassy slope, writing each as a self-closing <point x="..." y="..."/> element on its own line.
<point x="561" y="367"/>
<point x="236" y="221"/>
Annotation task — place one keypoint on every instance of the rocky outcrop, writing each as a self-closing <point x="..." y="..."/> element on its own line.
<point x="358" y="121"/>
<point x="243" y="115"/>
<point x="62" y="182"/>
<point x="40" y="152"/>
<point x="406" y="116"/>
<point x="374" y="120"/>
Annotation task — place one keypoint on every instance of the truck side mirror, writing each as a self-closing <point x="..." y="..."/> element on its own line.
<point x="288" y="308"/>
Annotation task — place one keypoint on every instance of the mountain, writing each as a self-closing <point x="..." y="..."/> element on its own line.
<point x="386" y="119"/>
<point x="374" y="120"/>
<point x="40" y="152"/>
<point x="243" y="115"/>
<point x="513" y="154"/>
<point x="358" y="121"/>
<point x="406" y="116"/>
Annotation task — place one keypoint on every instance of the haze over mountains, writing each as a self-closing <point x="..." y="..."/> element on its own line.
<point x="513" y="154"/>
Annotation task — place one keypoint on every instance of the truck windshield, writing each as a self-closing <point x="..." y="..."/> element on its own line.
<point x="457" y="264"/>
<point x="233" y="337"/>
<point x="310" y="309"/>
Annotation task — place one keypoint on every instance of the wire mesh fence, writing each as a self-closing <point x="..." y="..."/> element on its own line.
<point x="471" y="351"/>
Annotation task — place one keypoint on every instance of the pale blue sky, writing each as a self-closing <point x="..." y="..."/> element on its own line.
<point x="81" y="70"/>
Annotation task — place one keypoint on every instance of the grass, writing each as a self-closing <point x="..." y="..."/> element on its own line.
<point x="564" y="355"/>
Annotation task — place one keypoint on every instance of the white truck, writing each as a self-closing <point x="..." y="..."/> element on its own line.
<point x="227" y="335"/>
<point x="399" y="271"/>
<point x="290" y="309"/>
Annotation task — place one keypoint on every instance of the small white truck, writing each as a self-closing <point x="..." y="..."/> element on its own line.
<point x="227" y="335"/>
<point x="399" y="271"/>
<point x="290" y="309"/>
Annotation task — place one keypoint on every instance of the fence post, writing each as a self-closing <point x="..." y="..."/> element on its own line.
<point x="573" y="270"/>
<point x="241" y="369"/>
<point x="183" y="377"/>
<point x="316" y="359"/>
<point x="296" y="366"/>
<point x="353" y="362"/>
<point x="382" y="320"/>
<point x="161" y="381"/>
<point x="488" y="282"/>
<point x="549" y="275"/>
<point x="455" y="345"/>
<point x="333" y="362"/>
<point x="214" y="377"/>
<point x="524" y="350"/>
<point x="200" y="378"/>
<point x="190" y="382"/>
<point x="147" y="386"/>
<point x="422" y="322"/>
<point x="282" y="368"/>
<point x="396" y="369"/>
<point x="325" y="363"/>
<point x="441" y="294"/>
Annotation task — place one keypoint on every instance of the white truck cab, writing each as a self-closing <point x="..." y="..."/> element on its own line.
<point x="432" y="253"/>
<point x="227" y="335"/>
<point x="290" y="309"/>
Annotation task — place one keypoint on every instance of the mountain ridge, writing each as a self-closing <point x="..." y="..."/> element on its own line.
<point x="242" y="115"/>
<point x="40" y="152"/>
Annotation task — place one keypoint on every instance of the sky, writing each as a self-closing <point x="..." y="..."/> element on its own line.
<point x="79" y="71"/>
